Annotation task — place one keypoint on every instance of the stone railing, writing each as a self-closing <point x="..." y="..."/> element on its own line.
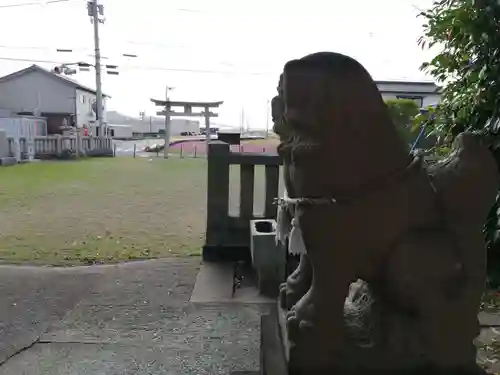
<point x="55" y="144"/>
<point x="228" y="235"/>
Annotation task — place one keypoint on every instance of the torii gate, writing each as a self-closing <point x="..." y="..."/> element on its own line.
<point x="186" y="111"/>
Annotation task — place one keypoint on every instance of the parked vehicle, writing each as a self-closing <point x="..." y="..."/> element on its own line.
<point x="154" y="148"/>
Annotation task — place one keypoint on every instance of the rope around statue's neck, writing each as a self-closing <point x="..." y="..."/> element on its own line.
<point x="394" y="178"/>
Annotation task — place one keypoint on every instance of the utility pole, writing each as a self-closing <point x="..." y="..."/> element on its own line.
<point x="167" y="122"/>
<point x="94" y="11"/>
<point x="208" y="133"/>
<point x="267" y="119"/>
<point x="242" y="119"/>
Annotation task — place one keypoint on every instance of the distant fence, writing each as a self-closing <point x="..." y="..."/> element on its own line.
<point x="199" y="149"/>
<point x="188" y="149"/>
<point x="54" y="145"/>
<point x="192" y="148"/>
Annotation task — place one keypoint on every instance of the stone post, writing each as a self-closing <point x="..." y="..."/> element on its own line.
<point x="59" y="144"/>
<point x="79" y="143"/>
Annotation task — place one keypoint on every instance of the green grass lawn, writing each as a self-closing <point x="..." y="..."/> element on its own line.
<point x="101" y="210"/>
<point x="107" y="210"/>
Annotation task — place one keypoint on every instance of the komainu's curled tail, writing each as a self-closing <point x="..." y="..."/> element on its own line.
<point x="466" y="182"/>
<point x="466" y="185"/>
<point x="439" y="272"/>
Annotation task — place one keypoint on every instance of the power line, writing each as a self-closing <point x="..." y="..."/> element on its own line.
<point x="160" y="45"/>
<point x="81" y="49"/>
<point x="208" y="71"/>
<point x="114" y="56"/>
<point x="189" y="10"/>
<point x="36" y="3"/>
<point x="49" y="2"/>
<point x="143" y="67"/>
<point x="44" y="48"/>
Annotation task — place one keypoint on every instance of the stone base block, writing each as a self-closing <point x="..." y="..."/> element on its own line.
<point x="226" y="254"/>
<point x="10" y="160"/>
<point x="356" y="360"/>
<point x="268" y="259"/>
<point x="102" y="152"/>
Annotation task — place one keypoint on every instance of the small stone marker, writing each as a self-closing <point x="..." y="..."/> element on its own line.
<point x="5" y="158"/>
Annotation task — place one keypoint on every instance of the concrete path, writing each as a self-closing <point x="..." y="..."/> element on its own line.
<point x="137" y="318"/>
<point x="124" y="319"/>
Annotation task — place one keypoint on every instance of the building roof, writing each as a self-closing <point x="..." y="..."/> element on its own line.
<point x="63" y="78"/>
<point x="402" y="82"/>
<point x="403" y="87"/>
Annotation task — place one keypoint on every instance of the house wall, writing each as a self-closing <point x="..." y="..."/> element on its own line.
<point x="120" y="131"/>
<point x="35" y="90"/>
<point x="85" y="115"/>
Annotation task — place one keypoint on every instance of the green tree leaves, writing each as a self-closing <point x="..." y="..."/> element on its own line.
<point x="467" y="34"/>
<point x="403" y="112"/>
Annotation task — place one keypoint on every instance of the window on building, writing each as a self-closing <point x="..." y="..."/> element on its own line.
<point x="418" y="99"/>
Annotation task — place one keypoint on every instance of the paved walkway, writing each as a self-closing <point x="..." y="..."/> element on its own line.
<point x="124" y="319"/>
<point x="134" y="318"/>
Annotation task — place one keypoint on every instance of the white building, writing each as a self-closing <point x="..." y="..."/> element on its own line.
<point x="153" y="124"/>
<point x="61" y="100"/>
<point x="177" y="126"/>
<point x="424" y="93"/>
<point x="116" y="131"/>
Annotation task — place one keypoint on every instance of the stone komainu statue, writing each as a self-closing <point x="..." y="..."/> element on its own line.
<point x="394" y="262"/>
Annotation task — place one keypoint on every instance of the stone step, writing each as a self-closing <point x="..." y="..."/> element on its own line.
<point x="250" y="294"/>
<point x="215" y="283"/>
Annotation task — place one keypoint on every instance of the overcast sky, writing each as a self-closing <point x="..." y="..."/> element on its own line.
<point x="227" y="50"/>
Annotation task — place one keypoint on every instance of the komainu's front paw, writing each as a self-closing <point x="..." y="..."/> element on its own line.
<point x="295" y="287"/>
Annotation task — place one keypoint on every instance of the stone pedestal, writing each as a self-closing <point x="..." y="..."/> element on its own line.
<point x="30" y="148"/>
<point x="268" y="259"/>
<point x="379" y="341"/>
